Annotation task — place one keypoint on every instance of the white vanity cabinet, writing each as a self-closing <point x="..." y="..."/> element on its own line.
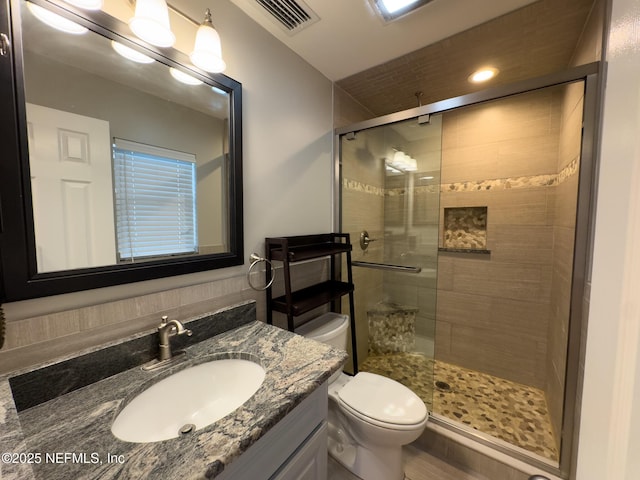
<point x="294" y="449"/>
<point x="309" y="462"/>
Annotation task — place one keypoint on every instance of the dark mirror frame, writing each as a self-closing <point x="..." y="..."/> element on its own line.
<point x="18" y="267"/>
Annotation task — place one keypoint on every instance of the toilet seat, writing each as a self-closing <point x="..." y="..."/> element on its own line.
<point x="382" y="402"/>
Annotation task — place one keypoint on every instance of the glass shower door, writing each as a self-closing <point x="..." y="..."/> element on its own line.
<point x="390" y="182"/>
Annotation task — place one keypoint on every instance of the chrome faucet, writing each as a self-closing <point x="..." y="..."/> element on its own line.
<point x="166" y="330"/>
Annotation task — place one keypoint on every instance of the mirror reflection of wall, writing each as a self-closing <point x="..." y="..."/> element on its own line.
<point x="82" y="95"/>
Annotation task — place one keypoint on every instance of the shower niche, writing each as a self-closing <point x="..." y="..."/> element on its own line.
<point x="465" y="230"/>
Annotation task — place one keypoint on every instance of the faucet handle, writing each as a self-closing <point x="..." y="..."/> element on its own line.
<point x="165" y="319"/>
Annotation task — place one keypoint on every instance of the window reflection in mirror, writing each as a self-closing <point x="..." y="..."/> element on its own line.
<point x="81" y="96"/>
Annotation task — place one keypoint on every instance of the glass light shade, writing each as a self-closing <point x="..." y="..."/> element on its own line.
<point x="151" y="23"/>
<point x="130" y="53"/>
<point x="207" y="51"/>
<point x="184" y="77"/>
<point x="86" y="4"/>
<point x="56" y="21"/>
<point x="393" y="6"/>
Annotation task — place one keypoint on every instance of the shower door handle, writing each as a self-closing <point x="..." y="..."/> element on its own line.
<point x="386" y="266"/>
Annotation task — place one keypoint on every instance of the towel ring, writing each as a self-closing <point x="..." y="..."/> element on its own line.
<point x="255" y="260"/>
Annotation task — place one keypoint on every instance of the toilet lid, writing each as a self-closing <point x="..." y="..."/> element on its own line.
<point x="383" y="399"/>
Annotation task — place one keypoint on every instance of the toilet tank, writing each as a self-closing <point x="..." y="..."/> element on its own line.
<point x="329" y="328"/>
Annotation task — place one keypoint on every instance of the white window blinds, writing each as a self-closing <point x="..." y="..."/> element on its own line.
<point x="155" y="201"/>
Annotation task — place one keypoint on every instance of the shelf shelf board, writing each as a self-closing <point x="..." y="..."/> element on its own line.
<point x="480" y="251"/>
<point x="312" y="297"/>
<point x="308" y="252"/>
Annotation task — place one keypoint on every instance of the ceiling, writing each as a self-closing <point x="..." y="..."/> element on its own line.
<point x="533" y="41"/>
<point x="432" y="50"/>
<point x="349" y="37"/>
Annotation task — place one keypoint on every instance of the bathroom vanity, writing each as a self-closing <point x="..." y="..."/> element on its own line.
<point x="278" y="433"/>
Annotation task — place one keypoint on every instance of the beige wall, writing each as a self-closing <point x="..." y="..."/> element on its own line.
<point x="287" y="127"/>
<point x="493" y="311"/>
<point x="363" y="209"/>
<point x="564" y="222"/>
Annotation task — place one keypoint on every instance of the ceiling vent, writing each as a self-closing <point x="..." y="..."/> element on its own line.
<point x="291" y="15"/>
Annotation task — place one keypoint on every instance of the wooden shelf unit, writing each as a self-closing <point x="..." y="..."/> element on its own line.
<point x="293" y="303"/>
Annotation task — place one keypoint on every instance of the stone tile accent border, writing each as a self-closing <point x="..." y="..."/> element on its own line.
<point x="507" y="410"/>
<point x="391" y="328"/>
<point x="533" y="181"/>
<point x="357" y="186"/>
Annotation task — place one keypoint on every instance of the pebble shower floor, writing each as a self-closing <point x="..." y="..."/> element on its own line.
<point x="506" y="410"/>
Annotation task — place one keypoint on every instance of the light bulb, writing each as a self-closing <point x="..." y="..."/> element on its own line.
<point x="130" y="53"/>
<point x="184" y="77"/>
<point x="393" y="6"/>
<point x="483" y="75"/>
<point x="207" y="50"/>
<point x="151" y="23"/>
<point x="56" y="21"/>
<point x="86" y="4"/>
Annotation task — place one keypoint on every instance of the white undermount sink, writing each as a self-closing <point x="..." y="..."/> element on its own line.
<point x="188" y="400"/>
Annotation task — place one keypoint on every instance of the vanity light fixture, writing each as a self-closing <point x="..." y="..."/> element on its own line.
<point x="483" y="74"/>
<point x="184" y="77"/>
<point x="130" y="53"/>
<point x="56" y="21"/>
<point x="207" y="51"/>
<point x="151" y="23"/>
<point x="86" y="4"/>
<point x="401" y="162"/>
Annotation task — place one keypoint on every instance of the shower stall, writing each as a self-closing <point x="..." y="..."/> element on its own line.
<point x="470" y="219"/>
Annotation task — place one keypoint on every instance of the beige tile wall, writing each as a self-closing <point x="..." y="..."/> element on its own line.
<point x="493" y="311"/>
<point x="38" y="339"/>
<point x="563" y="241"/>
<point x="33" y="340"/>
<point x="363" y="209"/>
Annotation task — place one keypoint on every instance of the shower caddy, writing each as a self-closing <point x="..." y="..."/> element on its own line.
<point x="289" y="250"/>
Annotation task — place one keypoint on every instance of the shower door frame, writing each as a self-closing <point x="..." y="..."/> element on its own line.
<point x="590" y="74"/>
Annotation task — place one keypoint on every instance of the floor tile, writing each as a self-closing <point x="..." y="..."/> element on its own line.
<point x="507" y="410"/>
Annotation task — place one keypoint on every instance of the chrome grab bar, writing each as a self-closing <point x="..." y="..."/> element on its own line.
<point x="386" y="266"/>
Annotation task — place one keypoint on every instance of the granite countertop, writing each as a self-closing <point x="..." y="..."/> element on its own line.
<point x="69" y="437"/>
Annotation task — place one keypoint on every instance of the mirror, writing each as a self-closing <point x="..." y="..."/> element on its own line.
<point x="129" y="163"/>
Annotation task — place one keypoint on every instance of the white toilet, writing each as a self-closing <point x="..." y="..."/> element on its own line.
<point x="370" y="416"/>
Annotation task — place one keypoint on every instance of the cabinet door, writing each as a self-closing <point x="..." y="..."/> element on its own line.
<point x="310" y="461"/>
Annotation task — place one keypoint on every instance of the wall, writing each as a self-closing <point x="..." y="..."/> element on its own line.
<point x="362" y="192"/>
<point x="564" y="222"/>
<point x="493" y="310"/>
<point x="411" y="224"/>
<point x="609" y="439"/>
<point x="287" y="127"/>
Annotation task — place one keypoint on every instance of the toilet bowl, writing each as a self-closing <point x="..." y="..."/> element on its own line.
<point x="370" y="416"/>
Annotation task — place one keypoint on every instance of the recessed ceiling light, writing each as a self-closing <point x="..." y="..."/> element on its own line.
<point x="483" y="74"/>
<point x="392" y="9"/>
